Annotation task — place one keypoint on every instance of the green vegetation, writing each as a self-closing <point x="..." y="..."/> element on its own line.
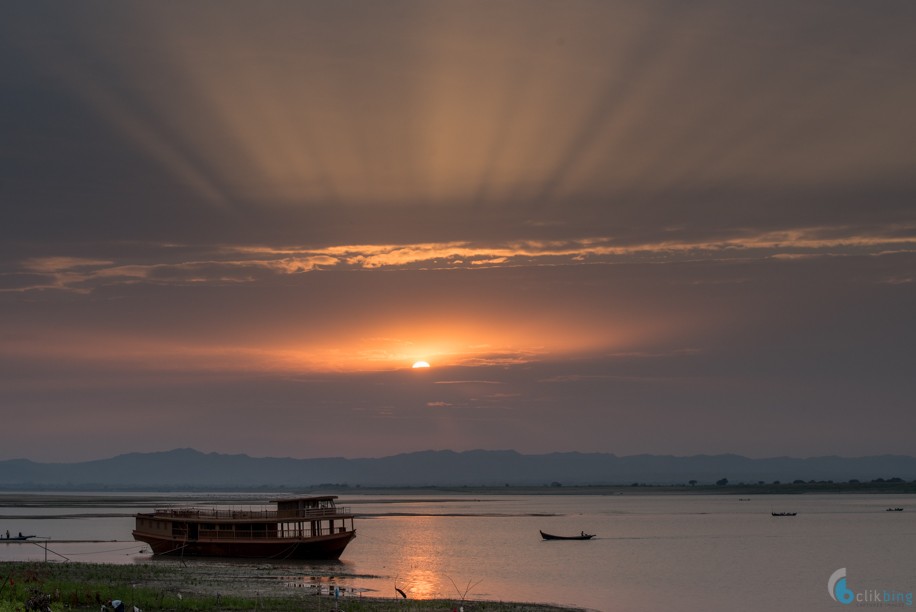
<point x="45" y="495"/>
<point x="87" y="586"/>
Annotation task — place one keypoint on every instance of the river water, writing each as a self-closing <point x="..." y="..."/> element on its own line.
<point x="651" y="552"/>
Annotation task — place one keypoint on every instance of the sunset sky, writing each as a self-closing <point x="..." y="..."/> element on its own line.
<point x="629" y="227"/>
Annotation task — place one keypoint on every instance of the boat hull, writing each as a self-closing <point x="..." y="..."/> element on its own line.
<point x="323" y="548"/>
<point x="550" y="536"/>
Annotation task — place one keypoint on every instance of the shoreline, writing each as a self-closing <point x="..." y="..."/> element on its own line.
<point x="133" y="495"/>
<point x="151" y="586"/>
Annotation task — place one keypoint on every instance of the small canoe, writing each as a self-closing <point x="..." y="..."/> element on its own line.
<point x="19" y="538"/>
<point x="582" y="536"/>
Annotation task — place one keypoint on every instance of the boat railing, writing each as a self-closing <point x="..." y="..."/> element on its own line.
<point x="270" y="534"/>
<point x="249" y="514"/>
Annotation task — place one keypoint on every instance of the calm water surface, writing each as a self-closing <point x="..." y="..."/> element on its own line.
<point x="652" y="552"/>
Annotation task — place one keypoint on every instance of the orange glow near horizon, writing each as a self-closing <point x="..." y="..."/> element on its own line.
<point x="341" y="347"/>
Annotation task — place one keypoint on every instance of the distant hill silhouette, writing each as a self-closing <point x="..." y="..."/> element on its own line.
<point x="190" y="468"/>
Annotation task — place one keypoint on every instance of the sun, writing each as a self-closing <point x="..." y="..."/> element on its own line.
<point x="419" y="364"/>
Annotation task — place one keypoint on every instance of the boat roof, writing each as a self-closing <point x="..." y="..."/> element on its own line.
<point x="304" y="498"/>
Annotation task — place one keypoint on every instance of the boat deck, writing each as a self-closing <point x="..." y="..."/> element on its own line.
<point x="216" y="514"/>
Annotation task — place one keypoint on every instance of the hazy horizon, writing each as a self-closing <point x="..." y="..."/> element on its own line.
<point x="664" y="227"/>
<point x="447" y="450"/>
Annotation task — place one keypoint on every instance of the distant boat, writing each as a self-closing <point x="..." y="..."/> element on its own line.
<point x="783" y="513"/>
<point x="299" y="528"/>
<point x="582" y="536"/>
<point x="894" y="510"/>
<point x="16" y="538"/>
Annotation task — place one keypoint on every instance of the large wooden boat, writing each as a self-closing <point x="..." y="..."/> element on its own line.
<point x="299" y="528"/>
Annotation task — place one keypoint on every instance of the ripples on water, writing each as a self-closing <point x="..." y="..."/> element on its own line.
<point x="652" y="552"/>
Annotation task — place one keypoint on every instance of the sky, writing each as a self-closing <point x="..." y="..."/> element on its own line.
<point x="656" y="227"/>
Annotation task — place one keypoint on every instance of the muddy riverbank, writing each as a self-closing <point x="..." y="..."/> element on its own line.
<point x="155" y="586"/>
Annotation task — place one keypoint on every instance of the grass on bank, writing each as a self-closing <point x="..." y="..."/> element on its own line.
<point x="87" y="586"/>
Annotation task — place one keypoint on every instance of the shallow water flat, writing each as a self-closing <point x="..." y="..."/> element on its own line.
<point x="652" y="552"/>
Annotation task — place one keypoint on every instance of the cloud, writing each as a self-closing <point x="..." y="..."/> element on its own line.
<point x="641" y="218"/>
<point x="245" y="264"/>
<point x="493" y="124"/>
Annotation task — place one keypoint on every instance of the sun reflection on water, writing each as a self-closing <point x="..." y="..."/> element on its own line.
<point x="422" y="555"/>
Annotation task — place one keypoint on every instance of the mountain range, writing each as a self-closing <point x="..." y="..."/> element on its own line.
<point x="191" y="468"/>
